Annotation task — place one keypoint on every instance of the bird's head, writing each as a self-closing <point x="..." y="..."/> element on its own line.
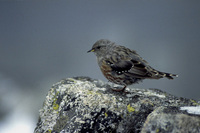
<point x="100" y="47"/>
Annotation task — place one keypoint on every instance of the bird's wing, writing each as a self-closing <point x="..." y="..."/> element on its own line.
<point x="132" y="65"/>
<point x="122" y="66"/>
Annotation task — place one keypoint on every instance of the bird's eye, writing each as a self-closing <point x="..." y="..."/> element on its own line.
<point x="98" y="47"/>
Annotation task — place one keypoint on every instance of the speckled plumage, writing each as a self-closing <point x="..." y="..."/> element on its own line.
<point x="123" y="66"/>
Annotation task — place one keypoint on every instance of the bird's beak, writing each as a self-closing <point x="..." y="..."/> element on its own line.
<point x="92" y="50"/>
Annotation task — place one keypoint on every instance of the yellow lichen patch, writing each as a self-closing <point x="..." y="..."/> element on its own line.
<point x="106" y="115"/>
<point x="194" y="102"/>
<point x="89" y="92"/>
<point x="72" y="80"/>
<point x="130" y="109"/>
<point x="49" y="131"/>
<point x="55" y="106"/>
<point x="57" y="93"/>
<point x="93" y="93"/>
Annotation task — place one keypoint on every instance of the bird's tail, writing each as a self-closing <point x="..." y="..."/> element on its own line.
<point x="167" y="75"/>
<point x="155" y="74"/>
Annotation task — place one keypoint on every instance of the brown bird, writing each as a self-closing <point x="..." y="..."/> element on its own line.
<point x="123" y="66"/>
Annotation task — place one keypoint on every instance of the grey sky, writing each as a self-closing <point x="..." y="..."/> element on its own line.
<point x="42" y="42"/>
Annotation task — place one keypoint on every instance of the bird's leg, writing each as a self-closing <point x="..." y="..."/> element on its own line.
<point x="119" y="90"/>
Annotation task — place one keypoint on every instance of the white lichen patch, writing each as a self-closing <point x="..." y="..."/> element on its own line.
<point x="152" y="93"/>
<point x="192" y="109"/>
<point x="92" y="98"/>
<point x="79" y="120"/>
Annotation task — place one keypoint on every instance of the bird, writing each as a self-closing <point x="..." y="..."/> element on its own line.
<point x="123" y="66"/>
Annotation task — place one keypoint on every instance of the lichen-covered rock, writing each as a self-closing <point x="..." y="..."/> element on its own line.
<point x="81" y="104"/>
<point x="171" y="120"/>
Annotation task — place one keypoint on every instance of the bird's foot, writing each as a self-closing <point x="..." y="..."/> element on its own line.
<point x="120" y="90"/>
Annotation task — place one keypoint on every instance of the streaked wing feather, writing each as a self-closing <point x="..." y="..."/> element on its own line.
<point x="122" y="66"/>
<point x="130" y="62"/>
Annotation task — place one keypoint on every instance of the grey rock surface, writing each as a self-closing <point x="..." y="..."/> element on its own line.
<point x="171" y="120"/>
<point x="82" y="104"/>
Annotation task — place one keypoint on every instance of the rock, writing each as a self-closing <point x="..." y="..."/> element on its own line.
<point x="82" y="104"/>
<point x="171" y="120"/>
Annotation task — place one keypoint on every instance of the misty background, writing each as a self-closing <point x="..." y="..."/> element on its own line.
<point x="42" y="42"/>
